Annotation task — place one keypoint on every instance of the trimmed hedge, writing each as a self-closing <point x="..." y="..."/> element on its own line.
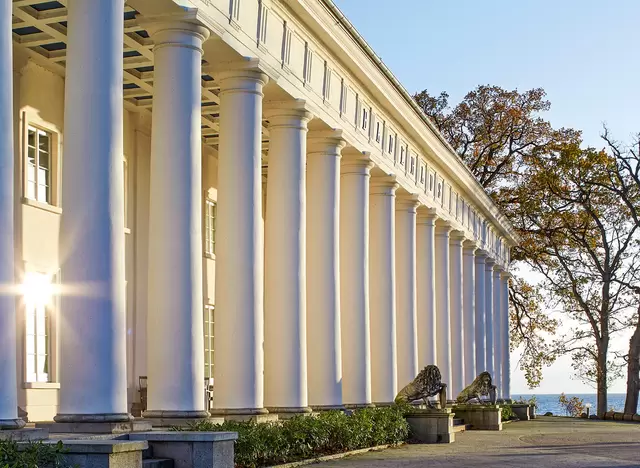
<point x="304" y="437"/>
<point x="32" y="455"/>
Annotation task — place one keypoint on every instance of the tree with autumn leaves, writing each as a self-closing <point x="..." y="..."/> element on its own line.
<point x="578" y="233"/>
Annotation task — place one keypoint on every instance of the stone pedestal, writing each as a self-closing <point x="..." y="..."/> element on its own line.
<point x="95" y="427"/>
<point x="24" y="435"/>
<point x="431" y="426"/>
<point x="191" y="449"/>
<point x="521" y="411"/>
<point x="532" y="411"/>
<point x="102" y="453"/>
<point x="481" y="417"/>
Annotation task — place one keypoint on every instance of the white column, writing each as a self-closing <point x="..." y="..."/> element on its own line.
<point x="504" y="329"/>
<point x="382" y="289"/>
<point x="176" y="371"/>
<point x="497" y="329"/>
<point x="456" y="239"/>
<point x="406" y="289"/>
<point x="488" y="315"/>
<point x="8" y="385"/>
<point x="426" y="279"/>
<point x="469" y="307"/>
<point x="480" y="289"/>
<point x="323" y="269"/>
<point x="443" y="301"/>
<point x="285" y="328"/>
<point x="239" y="358"/>
<point x="354" y="279"/>
<point x="93" y="378"/>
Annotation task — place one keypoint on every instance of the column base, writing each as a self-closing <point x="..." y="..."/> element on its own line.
<point x="24" y="435"/>
<point x="93" y="424"/>
<point x="244" y="414"/>
<point x="161" y="418"/>
<point x="11" y="424"/>
<point x="353" y="406"/>
<point x="327" y="407"/>
<point x="289" y="412"/>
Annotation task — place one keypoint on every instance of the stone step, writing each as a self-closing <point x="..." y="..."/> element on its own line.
<point x="157" y="463"/>
<point x="462" y="427"/>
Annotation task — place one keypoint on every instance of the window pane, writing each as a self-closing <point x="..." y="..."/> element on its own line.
<point x="44" y="161"/>
<point x="31" y="155"/>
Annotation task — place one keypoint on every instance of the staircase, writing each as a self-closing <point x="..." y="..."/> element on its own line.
<point x="460" y="426"/>
<point x="149" y="462"/>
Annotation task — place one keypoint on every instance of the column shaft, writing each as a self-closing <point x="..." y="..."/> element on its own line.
<point x="426" y="279"/>
<point x="469" y="305"/>
<point x="323" y="270"/>
<point x="382" y="287"/>
<point x="354" y="280"/>
<point x="456" y="313"/>
<point x="8" y="385"/>
<point x="488" y="316"/>
<point x="406" y="290"/>
<point x="443" y="301"/>
<point x="176" y="372"/>
<point x="497" y="329"/>
<point x="93" y="338"/>
<point x="506" y="354"/>
<point x="285" y="340"/>
<point x="480" y="288"/>
<point x="239" y="358"/>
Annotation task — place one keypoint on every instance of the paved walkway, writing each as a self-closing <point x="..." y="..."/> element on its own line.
<point x="541" y="443"/>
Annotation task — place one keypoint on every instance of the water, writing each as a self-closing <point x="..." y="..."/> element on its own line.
<point x="550" y="402"/>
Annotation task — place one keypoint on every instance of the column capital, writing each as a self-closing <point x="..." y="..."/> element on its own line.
<point x="407" y="202"/>
<point x="427" y="215"/>
<point x="506" y="275"/>
<point x="384" y="185"/>
<point x="443" y="228"/>
<point x="470" y="247"/>
<point x="175" y="31"/>
<point x="287" y="114"/>
<point x="244" y="76"/>
<point x="326" y="142"/>
<point x="489" y="262"/>
<point x="358" y="164"/>
<point x="457" y="237"/>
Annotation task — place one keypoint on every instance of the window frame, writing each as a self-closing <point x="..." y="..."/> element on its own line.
<point x="209" y="237"/>
<point x="209" y="339"/>
<point x="31" y="120"/>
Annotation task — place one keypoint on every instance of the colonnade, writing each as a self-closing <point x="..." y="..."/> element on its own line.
<point x="349" y="288"/>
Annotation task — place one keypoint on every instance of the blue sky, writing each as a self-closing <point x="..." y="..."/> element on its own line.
<point x="584" y="53"/>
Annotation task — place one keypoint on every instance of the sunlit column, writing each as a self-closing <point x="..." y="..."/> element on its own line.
<point x="497" y="328"/>
<point x="406" y="289"/>
<point x="93" y="376"/>
<point x="285" y="340"/>
<point x="175" y="316"/>
<point x="480" y="289"/>
<point x="8" y="386"/>
<point x="354" y="279"/>
<point x="323" y="269"/>
<point x="443" y="303"/>
<point x="469" y="308"/>
<point x="426" y="280"/>
<point x="488" y="315"/>
<point x="239" y="357"/>
<point x="456" y="239"/>
<point x="504" y="329"/>
<point x="382" y="289"/>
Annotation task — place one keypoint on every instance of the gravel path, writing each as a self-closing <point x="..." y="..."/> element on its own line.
<point x="544" y="442"/>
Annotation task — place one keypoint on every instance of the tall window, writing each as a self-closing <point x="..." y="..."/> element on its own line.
<point x="208" y="341"/>
<point x="210" y="227"/>
<point x="378" y="132"/>
<point x="37" y="328"/>
<point x="38" y="165"/>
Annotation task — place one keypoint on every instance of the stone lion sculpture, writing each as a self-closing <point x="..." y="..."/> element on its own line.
<point x="426" y="384"/>
<point x="481" y="386"/>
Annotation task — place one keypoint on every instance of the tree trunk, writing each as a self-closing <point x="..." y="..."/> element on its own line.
<point x="633" y="372"/>
<point x="601" y="380"/>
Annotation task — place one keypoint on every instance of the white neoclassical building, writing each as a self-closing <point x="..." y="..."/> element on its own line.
<point x="228" y="192"/>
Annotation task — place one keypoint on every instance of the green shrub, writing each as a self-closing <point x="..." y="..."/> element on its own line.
<point x="507" y="413"/>
<point x="299" y="438"/>
<point x="33" y="455"/>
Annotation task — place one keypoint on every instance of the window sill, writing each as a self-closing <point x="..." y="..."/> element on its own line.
<point x="41" y="385"/>
<point x="42" y="206"/>
<point x="209" y="256"/>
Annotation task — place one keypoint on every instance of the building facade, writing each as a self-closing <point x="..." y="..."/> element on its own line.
<point x="236" y="193"/>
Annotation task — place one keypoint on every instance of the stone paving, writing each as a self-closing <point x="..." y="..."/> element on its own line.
<point x="551" y="442"/>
